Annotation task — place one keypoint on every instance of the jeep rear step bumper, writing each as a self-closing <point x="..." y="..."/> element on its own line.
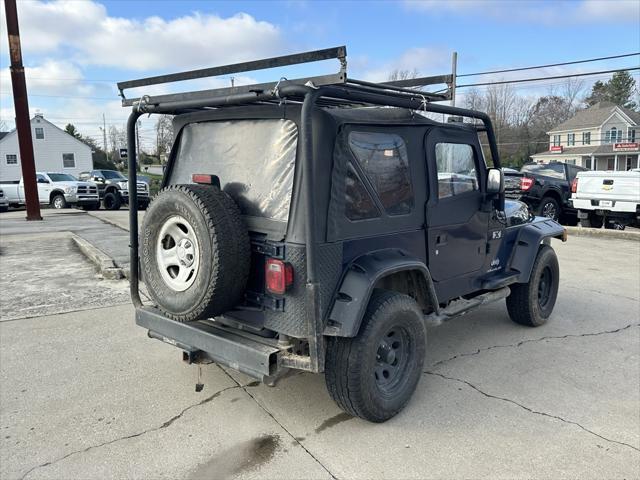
<point x="250" y="354"/>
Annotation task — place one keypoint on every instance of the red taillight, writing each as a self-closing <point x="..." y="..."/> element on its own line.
<point x="278" y="276"/>
<point x="526" y="183"/>
<point x="574" y="185"/>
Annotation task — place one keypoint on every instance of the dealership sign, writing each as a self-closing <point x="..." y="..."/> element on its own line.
<point x="556" y="149"/>
<point x="625" y="147"/>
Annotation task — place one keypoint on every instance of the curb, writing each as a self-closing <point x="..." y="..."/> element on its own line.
<point x="603" y="233"/>
<point x="105" y="264"/>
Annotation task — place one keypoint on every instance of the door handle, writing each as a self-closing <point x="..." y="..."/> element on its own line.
<point x="441" y="240"/>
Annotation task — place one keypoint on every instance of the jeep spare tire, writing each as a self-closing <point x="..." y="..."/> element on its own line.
<point x="195" y="252"/>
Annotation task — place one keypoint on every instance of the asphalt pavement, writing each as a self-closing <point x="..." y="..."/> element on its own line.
<point x="86" y="394"/>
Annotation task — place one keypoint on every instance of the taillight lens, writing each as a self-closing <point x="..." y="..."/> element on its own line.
<point x="574" y="185"/>
<point x="526" y="183"/>
<point x="278" y="276"/>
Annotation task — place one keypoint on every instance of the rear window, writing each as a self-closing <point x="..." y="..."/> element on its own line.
<point x="553" y="170"/>
<point x="254" y="159"/>
<point x="383" y="159"/>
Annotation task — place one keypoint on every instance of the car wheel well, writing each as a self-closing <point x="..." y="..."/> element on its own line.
<point x="409" y="282"/>
<point x="54" y="194"/>
<point x="552" y="194"/>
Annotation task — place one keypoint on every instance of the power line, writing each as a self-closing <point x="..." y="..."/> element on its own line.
<point x="524" y="80"/>
<point x="550" y="65"/>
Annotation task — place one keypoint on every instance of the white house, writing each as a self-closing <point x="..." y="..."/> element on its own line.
<point x="602" y="137"/>
<point x="53" y="148"/>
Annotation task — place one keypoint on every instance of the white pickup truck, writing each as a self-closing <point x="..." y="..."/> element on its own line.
<point x="59" y="190"/>
<point x="609" y="198"/>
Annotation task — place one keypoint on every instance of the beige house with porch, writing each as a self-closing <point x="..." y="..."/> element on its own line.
<point x="602" y="137"/>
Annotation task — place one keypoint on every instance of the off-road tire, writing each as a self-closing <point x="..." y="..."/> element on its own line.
<point x="592" y="221"/>
<point x="112" y="201"/>
<point x="352" y="364"/>
<point x="549" y="202"/>
<point x="58" y="201"/>
<point x="223" y="247"/>
<point x="525" y="303"/>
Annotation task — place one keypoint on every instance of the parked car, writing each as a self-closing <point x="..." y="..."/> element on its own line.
<point x="4" y="203"/>
<point x="546" y="188"/>
<point x="291" y="234"/>
<point x="512" y="180"/>
<point x="609" y="198"/>
<point x="60" y="190"/>
<point x="113" y="188"/>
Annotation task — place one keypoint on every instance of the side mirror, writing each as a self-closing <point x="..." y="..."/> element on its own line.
<point x="98" y="179"/>
<point x="495" y="181"/>
<point x="43" y="180"/>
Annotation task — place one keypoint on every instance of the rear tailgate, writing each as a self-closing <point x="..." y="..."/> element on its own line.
<point x="618" y="186"/>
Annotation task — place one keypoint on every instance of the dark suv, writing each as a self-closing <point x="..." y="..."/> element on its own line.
<point x="321" y="224"/>
<point x="113" y="188"/>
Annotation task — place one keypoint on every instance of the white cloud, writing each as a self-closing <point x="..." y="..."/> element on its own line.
<point x="52" y="77"/>
<point x="426" y="60"/>
<point x="95" y="38"/>
<point x="530" y="11"/>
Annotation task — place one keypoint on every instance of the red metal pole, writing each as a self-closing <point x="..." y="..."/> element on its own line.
<point x="21" y="104"/>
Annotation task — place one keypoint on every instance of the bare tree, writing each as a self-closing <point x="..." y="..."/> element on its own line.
<point x="164" y="135"/>
<point x="117" y="139"/>
<point x="400" y="74"/>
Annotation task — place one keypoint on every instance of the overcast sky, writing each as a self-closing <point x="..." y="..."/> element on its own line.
<point x="75" y="51"/>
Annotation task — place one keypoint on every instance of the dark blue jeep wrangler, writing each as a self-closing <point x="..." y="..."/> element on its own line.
<point x="320" y="225"/>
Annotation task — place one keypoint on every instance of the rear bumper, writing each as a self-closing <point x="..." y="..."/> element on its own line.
<point x="616" y="206"/>
<point x="250" y="354"/>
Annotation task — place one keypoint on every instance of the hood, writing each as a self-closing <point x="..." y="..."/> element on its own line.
<point x="516" y="212"/>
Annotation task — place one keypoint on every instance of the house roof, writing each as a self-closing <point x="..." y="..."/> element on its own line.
<point x="595" y="116"/>
<point x="3" y="135"/>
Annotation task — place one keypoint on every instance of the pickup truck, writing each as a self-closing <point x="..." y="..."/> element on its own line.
<point x="609" y="198"/>
<point x="546" y="189"/>
<point x="4" y="204"/>
<point x="113" y="188"/>
<point x="60" y="190"/>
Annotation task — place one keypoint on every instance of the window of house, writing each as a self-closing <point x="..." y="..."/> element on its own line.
<point x="571" y="161"/>
<point x="631" y="135"/>
<point x="384" y="160"/>
<point x="571" y="139"/>
<point x="68" y="160"/>
<point x="611" y="164"/>
<point x="586" y="138"/>
<point x="456" y="169"/>
<point x="12" y="159"/>
<point x="556" y="140"/>
<point x="613" y="136"/>
<point x="39" y="133"/>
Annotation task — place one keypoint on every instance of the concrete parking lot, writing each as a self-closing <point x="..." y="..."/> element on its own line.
<point x="86" y="394"/>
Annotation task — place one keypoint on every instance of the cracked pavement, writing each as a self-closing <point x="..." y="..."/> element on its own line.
<point x="85" y="394"/>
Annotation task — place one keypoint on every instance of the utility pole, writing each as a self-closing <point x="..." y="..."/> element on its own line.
<point x="104" y="137"/>
<point x="21" y="105"/>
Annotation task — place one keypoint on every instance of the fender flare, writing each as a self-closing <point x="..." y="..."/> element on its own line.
<point x="55" y="192"/>
<point x="528" y="243"/>
<point x="357" y="284"/>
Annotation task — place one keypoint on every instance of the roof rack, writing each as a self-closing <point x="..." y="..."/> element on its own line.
<point x="200" y="97"/>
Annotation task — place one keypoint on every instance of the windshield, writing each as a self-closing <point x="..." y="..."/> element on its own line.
<point x="61" y="177"/>
<point x="112" y="175"/>
<point x="254" y="160"/>
<point x="553" y="170"/>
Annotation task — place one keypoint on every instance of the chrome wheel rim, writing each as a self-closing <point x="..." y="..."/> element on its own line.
<point x="57" y="202"/>
<point x="178" y="253"/>
<point x="549" y="210"/>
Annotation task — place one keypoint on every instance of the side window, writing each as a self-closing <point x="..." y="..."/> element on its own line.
<point x="383" y="158"/>
<point x="358" y="203"/>
<point x="456" y="169"/>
